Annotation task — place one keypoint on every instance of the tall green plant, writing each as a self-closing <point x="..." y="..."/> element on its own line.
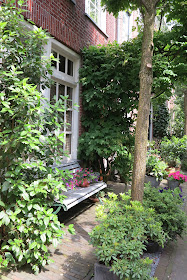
<point x="107" y="99"/>
<point x="30" y="141"/>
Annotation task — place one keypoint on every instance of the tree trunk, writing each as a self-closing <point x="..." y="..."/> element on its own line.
<point x="146" y="80"/>
<point x="185" y="111"/>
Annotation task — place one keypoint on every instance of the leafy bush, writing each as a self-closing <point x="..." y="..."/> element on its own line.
<point x="155" y="167"/>
<point x="107" y="100"/>
<point x="167" y="207"/>
<point x="173" y="150"/>
<point x="30" y="142"/>
<point x="120" y="237"/>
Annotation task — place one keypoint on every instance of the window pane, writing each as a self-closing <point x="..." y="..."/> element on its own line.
<point x="92" y="12"/>
<point x="70" y="95"/>
<point x="62" y="63"/>
<point x="54" y="63"/>
<point x="61" y="90"/>
<point x="70" y="67"/>
<point x="68" y="120"/>
<point x="68" y="143"/>
<point x="53" y="94"/>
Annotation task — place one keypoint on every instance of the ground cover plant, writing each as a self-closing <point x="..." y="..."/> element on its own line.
<point x="30" y="142"/>
<point x="120" y="238"/>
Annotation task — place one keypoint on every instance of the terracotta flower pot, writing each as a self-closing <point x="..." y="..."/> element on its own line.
<point x="84" y="184"/>
<point x="94" y="199"/>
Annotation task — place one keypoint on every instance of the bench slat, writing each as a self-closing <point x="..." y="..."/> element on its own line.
<point x="79" y="194"/>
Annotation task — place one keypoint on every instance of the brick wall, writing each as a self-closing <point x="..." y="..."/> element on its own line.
<point x="68" y="23"/>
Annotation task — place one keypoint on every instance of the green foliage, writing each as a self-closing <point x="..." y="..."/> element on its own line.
<point x="155" y="167"/>
<point x="173" y="150"/>
<point x="123" y="163"/>
<point x="160" y="121"/>
<point x="107" y="99"/>
<point x="121" y="236"/>
<point x="30" y="142"/>
<point x="166" y="204"/>
<point x="178" y="110"/>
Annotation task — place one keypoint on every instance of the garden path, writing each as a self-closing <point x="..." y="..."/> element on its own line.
<point x="74" y="257"/>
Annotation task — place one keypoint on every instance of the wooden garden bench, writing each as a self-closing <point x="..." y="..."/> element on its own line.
<point x="78" y="194"/>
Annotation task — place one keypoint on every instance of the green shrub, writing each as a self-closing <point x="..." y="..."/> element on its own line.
<point x="120" y="237"/>
<point x="160" y="121"/>
<point x="167" y="205"/>
<point x="30" y="142"/>
<point x="123" y="163"/>
<point x="173" y="150"/>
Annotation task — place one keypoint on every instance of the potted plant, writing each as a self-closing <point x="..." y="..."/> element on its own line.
<point x="155" y="170"/>
<point x="167" y="205"/>
<point x="82" y="178"/>
<point x="175" y="179"/>
<point x="173" y="150"/>
<point x="121" y="237"/>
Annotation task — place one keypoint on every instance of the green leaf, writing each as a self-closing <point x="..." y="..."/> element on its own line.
<point x="36" y="206"/>
<point x="46" y="221"/>
<point x="2" y="203"/>
<point x="2" y="214"/>
<point x="6" y="219"/>
<point x="43" y="237"/>
<point x="25" y="196"/>
<point x="33" y="245"/>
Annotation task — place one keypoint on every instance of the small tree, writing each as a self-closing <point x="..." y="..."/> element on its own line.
<point x="30" y="141"/>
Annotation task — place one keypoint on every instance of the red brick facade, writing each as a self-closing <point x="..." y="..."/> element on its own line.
<point x="68" y="23"/>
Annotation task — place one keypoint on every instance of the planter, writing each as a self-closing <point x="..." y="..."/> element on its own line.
<point x="84" y="184"/>
<point x="152" y="180"/>
<point x="172" y="184"/>
<point x="101" y="272"/>
<point x="94" y="199"/>
<point x="151" y="247"/>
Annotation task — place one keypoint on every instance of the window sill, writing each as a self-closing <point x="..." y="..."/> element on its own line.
<point x="104" y="33"/>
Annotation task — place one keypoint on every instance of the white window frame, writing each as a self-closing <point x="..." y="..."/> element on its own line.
<point x="67" y="80"/>
<point x="101" y="22"/>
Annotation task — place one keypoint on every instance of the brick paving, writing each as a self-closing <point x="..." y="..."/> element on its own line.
<point x="74" y="258"/>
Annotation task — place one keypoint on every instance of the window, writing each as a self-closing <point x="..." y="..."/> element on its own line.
<point x="65" y="76"/>
<point x="56" y="91"/>
<point x="124" y="26"/>
<point x="96" y="13"/>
